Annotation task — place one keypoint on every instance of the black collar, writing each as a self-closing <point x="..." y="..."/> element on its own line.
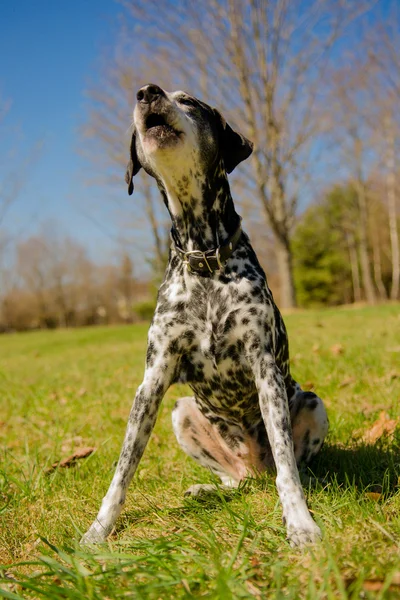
<point x="210" y="260"/>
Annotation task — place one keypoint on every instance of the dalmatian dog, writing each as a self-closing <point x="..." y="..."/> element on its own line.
<point x="215" y="326"/>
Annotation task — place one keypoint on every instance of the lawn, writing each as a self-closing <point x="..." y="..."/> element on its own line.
<point x="64" y="390"/>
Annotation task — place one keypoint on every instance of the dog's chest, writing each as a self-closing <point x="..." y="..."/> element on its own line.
<point x="218" y="373"/>
<point x="211" y="345"/>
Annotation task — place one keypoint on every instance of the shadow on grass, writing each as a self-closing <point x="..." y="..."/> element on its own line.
<point x="373" y="468"/>
<point x="361" y="467"/>
<point x="212" y="502"/>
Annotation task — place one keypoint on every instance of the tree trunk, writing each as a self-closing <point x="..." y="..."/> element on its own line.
<point x="276" y="219"/>
<point x="159" y="251"/>
<point x="355" y="274"/>
<point x="285" y="268"/>
<point x="376" y="251"/>
<point x="363" y="243"/>
<point x="391" y="195"/>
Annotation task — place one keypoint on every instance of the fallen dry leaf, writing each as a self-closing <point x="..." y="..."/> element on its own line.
<point x="186" y="586"/>
<point x="337" y="349"/>
<point x="30" y="547"/>
<point x="375" y="496"/>
<point x="367" y="408"/>
<point x="384" y="425"/>
<point x="308" y="386"/>
<point x="393" y="375"/>
<point x="347" y="381"/>
<point x="70" y="460"/>
<point x="255" y="562"/>
<point x="375" y="585"/>
<point x="253" y="590"/>
<point x="396" y="578"/>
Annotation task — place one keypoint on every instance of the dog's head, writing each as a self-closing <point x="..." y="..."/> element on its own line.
<point x="177" y="131"/>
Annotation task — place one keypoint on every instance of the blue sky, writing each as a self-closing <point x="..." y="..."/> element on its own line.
<point x="51" y="51"/>
<point x="49" y="54"/>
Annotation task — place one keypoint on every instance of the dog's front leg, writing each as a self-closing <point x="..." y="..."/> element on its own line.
<point x="141" y="421"/>
<point x="301" y="528"/>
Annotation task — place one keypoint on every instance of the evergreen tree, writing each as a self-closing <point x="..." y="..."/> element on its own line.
<point x="322" y="245"/>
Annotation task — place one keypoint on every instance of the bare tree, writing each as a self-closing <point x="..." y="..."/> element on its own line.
<point x="392" y="207"/>
<point x="382" y="45"/>
<point x="15" y="166"/>
<point x="385" y="140"/>
<point x="262" y="62"/>
<point x="51" y="268"/>
<point x="360" y="186"/>
<point x="350" y="93"/>
<point x="55" y="284"/>
<point x="33" y="268"/>
<point x="355" y="274"/>
<point x="107" y="136"/>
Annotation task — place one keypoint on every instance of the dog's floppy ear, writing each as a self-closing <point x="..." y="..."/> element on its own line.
<point x="233" y="145"/>
<point x="133" y="165"/>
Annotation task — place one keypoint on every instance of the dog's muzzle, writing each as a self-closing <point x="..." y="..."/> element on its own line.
<point x="157" y="119"/>
<point x="149" y="93"/>
<point x="209" y="261"/>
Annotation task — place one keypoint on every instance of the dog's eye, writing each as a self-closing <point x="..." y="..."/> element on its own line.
<point x="187" y="101"/>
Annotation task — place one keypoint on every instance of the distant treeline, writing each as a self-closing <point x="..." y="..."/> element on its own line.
<point x="53" y="283"/>
<point x="315" y="85"/>
<point x="328" y="249"/>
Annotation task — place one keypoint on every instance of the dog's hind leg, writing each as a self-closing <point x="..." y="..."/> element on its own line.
<point x="141" y="421"/>
<point x="201" y="440"/>
<point x="309" y="425"/>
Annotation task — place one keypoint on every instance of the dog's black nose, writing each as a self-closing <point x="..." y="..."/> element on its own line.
<point x="148" y="93"/>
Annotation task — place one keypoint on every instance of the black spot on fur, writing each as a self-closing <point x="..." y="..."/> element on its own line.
<point x="197" y="340"/>
<point x="208" y="454"/>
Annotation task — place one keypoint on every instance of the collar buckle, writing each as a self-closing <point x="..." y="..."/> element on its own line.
<point x="209" y="261"/>
<point x="199" y="254"/>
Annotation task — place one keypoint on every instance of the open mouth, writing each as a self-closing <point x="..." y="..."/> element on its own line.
<point x="157" y="124"/>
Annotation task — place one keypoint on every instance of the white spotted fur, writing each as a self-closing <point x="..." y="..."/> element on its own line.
<point x="221" y="333"/>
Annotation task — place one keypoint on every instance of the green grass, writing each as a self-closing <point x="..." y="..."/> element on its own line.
<point x="65" y="389"/>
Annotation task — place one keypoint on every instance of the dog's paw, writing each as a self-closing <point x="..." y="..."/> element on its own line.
<point x="304" y="536"/>
<point x="93" y="536"/>
<point x="200" y="489"/>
